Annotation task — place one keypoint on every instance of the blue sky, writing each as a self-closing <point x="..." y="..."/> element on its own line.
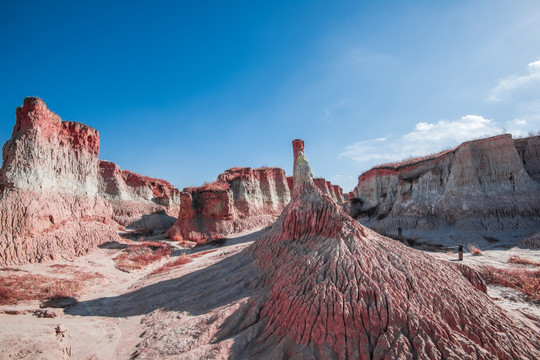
<point x="185" y="90"/>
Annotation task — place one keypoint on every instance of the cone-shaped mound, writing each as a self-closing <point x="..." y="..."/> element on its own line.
<point x="318" y="285"/>
<point x="339" y="290"/>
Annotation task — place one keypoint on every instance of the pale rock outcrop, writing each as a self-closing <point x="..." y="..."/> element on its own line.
<point x="45" y="153"/>
<point x="529" y="151"/>
<point x="138" y="201"/>
<point x="318" y="285"/>
<point x="241" y="199"/>
<point x="52" y="200"/>
<point x="489" y="184"/>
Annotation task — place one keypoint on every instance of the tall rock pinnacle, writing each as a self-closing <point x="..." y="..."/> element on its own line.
<point x="302" y="177"/>
<point x="334" y="289"/>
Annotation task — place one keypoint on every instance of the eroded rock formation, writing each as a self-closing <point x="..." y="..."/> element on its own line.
<point x="490" y="184"/>
<point x="317" y="284"/>
<point x="334" y="191"/>
<point x="138" y="201"/>
<point x="57" y="199"/>
<point x="241" y="199"/>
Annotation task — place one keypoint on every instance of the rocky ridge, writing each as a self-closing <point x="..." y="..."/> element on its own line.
<point x="317" y="284"/>
<point x="240" y="199"/>
<point x="58" y="200"/>
<point x="489" y="184"/>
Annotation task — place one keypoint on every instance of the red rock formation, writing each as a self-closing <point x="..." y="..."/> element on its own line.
<point x="320" y="285"/>
<point x="55" y="198"/>
<point x="480" y="185"/>
<point x="241" y="199"/>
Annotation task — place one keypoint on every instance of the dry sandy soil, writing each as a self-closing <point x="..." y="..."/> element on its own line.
<point x="112" y="312"/>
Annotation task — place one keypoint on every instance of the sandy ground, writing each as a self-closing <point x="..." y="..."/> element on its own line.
<point x="106" y="322"/>
<point x="25" y="336"/>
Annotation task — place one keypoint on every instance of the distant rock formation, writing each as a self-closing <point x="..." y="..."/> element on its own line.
<point x="318" y="285"/>
<point x="138" y="201"/>
<point x="491" y="184"/>
<point x="241" y="199"/>
<point x="57" y="199"/>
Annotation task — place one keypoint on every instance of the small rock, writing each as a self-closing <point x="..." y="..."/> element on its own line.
<point x="47" y="313"/>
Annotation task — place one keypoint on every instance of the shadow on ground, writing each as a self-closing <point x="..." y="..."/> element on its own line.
<point x="197" y="292"/>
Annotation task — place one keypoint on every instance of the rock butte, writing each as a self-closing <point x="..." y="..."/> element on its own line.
<point x="317" y="284"/>
<point x="58" y="200"/>
<point x="490" y="184"/>
<point x="240" y="199"/>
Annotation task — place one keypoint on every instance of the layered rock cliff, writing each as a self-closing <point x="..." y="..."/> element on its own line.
<point x="489" y="184"/>
<point x="138" y="201"/>
<point x="240" y="199"/>
<point x="54" y="195"/>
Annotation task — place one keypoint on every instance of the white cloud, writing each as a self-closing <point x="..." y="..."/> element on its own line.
<point x="535" y="65"/>
<point x="509" y="85"/>
<point x="427" y="138"/>
<point x="423" y="126"/>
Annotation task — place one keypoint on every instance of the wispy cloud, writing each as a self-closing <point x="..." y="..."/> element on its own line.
<point x="426" y="138"/>
<point x="508" y="85"/>
<point x="330" y="111"/>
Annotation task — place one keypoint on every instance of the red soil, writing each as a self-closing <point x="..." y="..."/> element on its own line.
<point x="526" y="281"/>
<point x="136" y="257"/>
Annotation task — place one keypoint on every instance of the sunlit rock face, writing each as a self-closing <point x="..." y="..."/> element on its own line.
<point x="138" y="201"/>
<point x="47" y="154"/>
<point x="54" y="193"/>
<point x="490" y="184"/>
<point x="240" y="199"/>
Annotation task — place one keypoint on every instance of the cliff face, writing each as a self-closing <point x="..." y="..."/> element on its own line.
<point x="138" y="201"/>
<point x="529" y="151"/>
<point x="489" y="184"/>
<point x="54" y="201"/>
<point x="46" y="154"/>
<point x="241" y="199"/>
